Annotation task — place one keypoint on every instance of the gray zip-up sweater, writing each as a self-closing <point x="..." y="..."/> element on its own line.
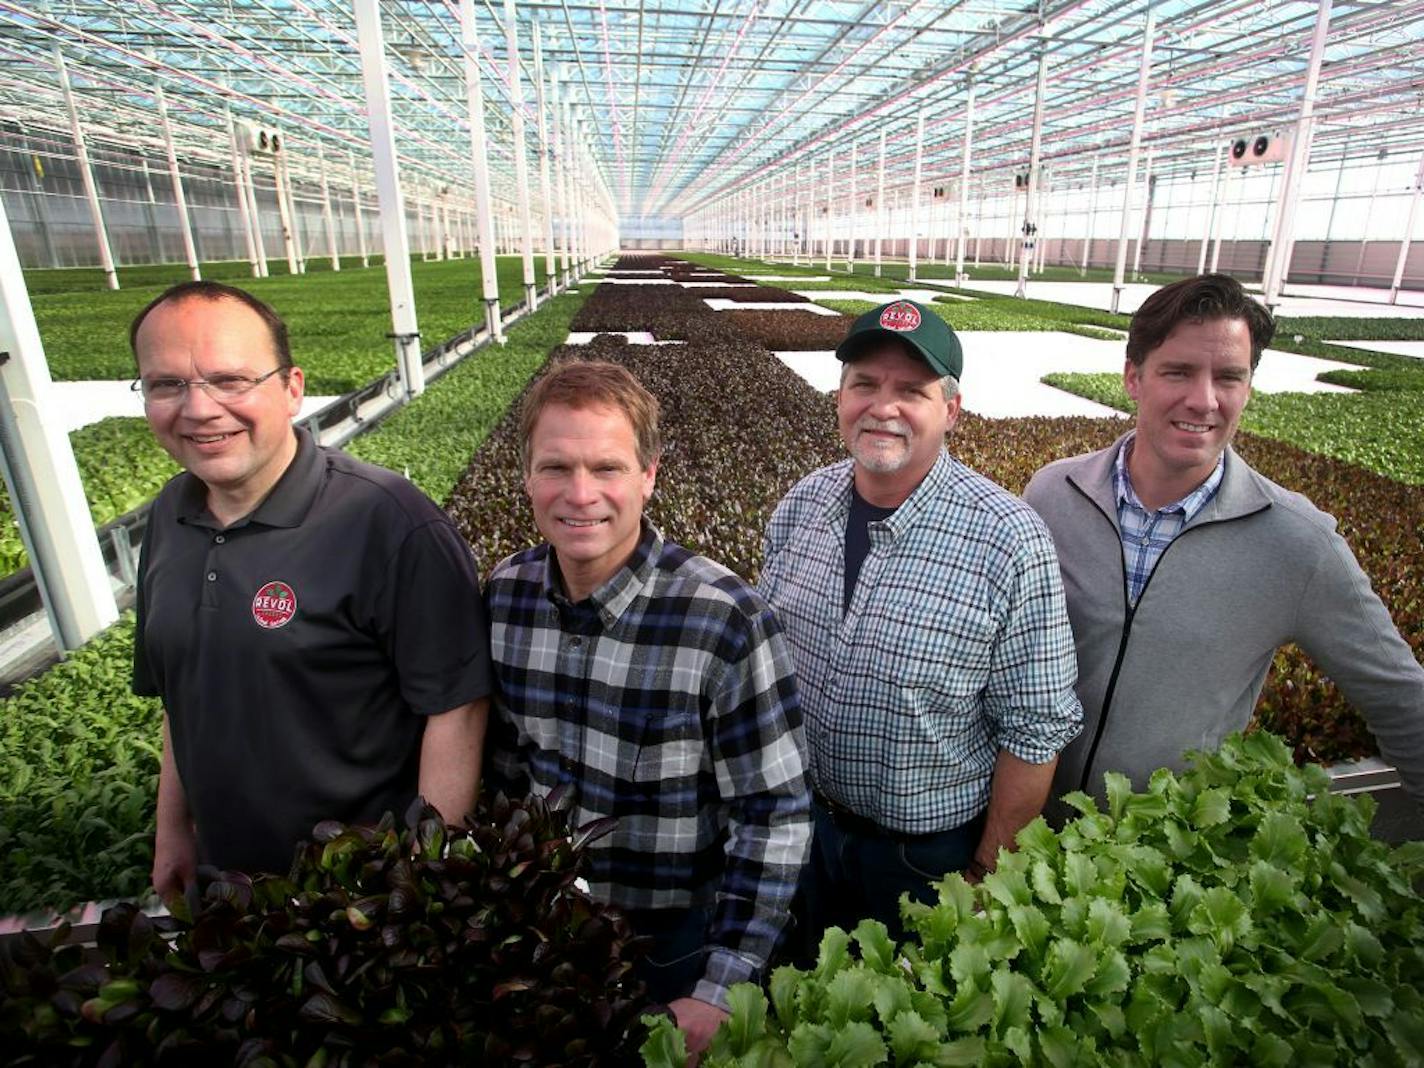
<point x="1257" y="567"/>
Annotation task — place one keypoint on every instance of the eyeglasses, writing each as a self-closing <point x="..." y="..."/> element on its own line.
<point x="220" y="387"/>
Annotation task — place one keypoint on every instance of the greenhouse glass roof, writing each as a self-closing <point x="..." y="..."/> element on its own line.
<point x="685" y="102"/>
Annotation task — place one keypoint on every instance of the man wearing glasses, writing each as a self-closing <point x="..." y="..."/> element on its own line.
<point x="313" y="624"/>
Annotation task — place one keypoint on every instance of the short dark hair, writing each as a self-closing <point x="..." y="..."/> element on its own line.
<point x="1199" y="299"/>
<point x="206" y="290"/>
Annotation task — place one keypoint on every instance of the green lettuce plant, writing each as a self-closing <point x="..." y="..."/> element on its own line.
<point x="1236" y="914"/>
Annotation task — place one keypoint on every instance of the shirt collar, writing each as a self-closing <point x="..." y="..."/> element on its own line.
<point x="286" y="504"/>
<point x="614" y="597"/>
<point x="935" y="484"/>
<point x="1188" y="505"/>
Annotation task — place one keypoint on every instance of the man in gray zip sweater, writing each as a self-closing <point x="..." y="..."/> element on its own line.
<point x="1185" y="569"/>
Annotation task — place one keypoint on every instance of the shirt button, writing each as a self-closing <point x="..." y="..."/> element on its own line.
<point x="212" y="576"/>
<point x="575" y="642"/>
<point x="220" y="539"/>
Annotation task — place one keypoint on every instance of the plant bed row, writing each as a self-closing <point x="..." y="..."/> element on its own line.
<point x="431" y="946"/>
<point x="338" y="321"/>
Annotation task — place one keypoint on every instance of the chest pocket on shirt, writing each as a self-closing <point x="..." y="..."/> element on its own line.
<point x="940" y="650"/>
<point x="670" y="747"/>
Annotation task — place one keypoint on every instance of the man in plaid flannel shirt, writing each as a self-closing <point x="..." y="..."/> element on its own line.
<point x="657" y="684"/>
<point x="925" y="615"/>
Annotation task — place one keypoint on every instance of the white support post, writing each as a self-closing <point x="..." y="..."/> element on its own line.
<point x="328" y="216"/>
<point x="546" y="151"/>
<point x="1146" y="216"/>
<point x="1284" y="236"/>
<point x="86" y="173"/>
<point x="239" y="186"/>
<point x="1408" y="236"/>
<point x="180" y="202"/>
<point x="854" y="214"/>
<point x="879" y="201"/>
<point x="46" y="494"/>
<point x="1040" y="243"/>
<point x="405" y="329"/>
<point x="356" y="209"/>
<point x="979" y="223"/>
<point x="1092" y="220"/>
<point x="484" y="201"/>
<point x="1035" y="177"/>
<point x="1134" y="147"/>
<point x="1218" y="153"/>
<point x="284" y="208"/>
<point x="830" y="205"/>
<point x="915" y="195"/>
<point x="521" y="162"/>
<point x="561" y="151"/>
<point x="285" y="158"/>
<point x="249" y="184"/>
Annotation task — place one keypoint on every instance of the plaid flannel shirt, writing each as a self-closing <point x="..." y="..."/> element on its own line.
<point x="1146" y="534"/>
<point x="667" y="699"/>
<point x="956" y="644"/>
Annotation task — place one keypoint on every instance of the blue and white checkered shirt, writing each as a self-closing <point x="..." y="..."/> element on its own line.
<point x="956" y="644"/>
<point x="667" y="699"/>
<point x="1146" y="535"/>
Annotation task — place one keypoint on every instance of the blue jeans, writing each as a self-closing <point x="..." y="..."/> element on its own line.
<point x="855" y="874"/>
<point x="679" y="954"/>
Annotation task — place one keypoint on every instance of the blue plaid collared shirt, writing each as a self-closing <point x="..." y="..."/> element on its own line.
<point x="667" y="700"/>
<point x="1146" y="535"/>
<point x="956" y="643"/>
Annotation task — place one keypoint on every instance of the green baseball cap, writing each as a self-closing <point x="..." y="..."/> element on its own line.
<point x="912" y="324"/>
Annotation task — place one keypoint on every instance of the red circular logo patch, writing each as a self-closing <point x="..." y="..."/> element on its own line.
<point x="274" y="606"/>
<point x="902" y="315"/>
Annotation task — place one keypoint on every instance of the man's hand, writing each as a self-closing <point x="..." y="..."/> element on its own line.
<point x="1016" y="796"/>
<point x="175" y="860"/>
<point x="697" y="1020"/>
<point x="450" y="754"/>
<point x="175" y="843"/>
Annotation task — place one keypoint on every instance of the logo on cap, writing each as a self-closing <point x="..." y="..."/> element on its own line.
<point x="902" y="315"/>
<point x="274" y="606"/>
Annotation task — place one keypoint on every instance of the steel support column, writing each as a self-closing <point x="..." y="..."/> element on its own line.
<point x="1035" y="177"/>
<point x="404" y="326"/>
<point x="1284" y="235"/>
<point x="46" y="494"/>
<point x="914" y="248"/>
<point x="521" y="161"/>
<point x="1139" y="111"/>
<point x="86" y="173"/>
<point x="180" y="201"/>
<point x="1408" y="236"/>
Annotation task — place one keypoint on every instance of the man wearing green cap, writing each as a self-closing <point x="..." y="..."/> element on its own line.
<point x="925" y="615"/>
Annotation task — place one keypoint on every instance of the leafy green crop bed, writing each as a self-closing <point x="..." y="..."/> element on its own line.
<point x="433" y="439"/>
<point x="79" y="761"/>
<point x="121" y="466"/>
<point x="338" y="321"/>
<point x="1215" y="918"/>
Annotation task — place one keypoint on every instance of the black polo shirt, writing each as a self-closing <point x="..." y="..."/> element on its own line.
<point x="298" y="650"/>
